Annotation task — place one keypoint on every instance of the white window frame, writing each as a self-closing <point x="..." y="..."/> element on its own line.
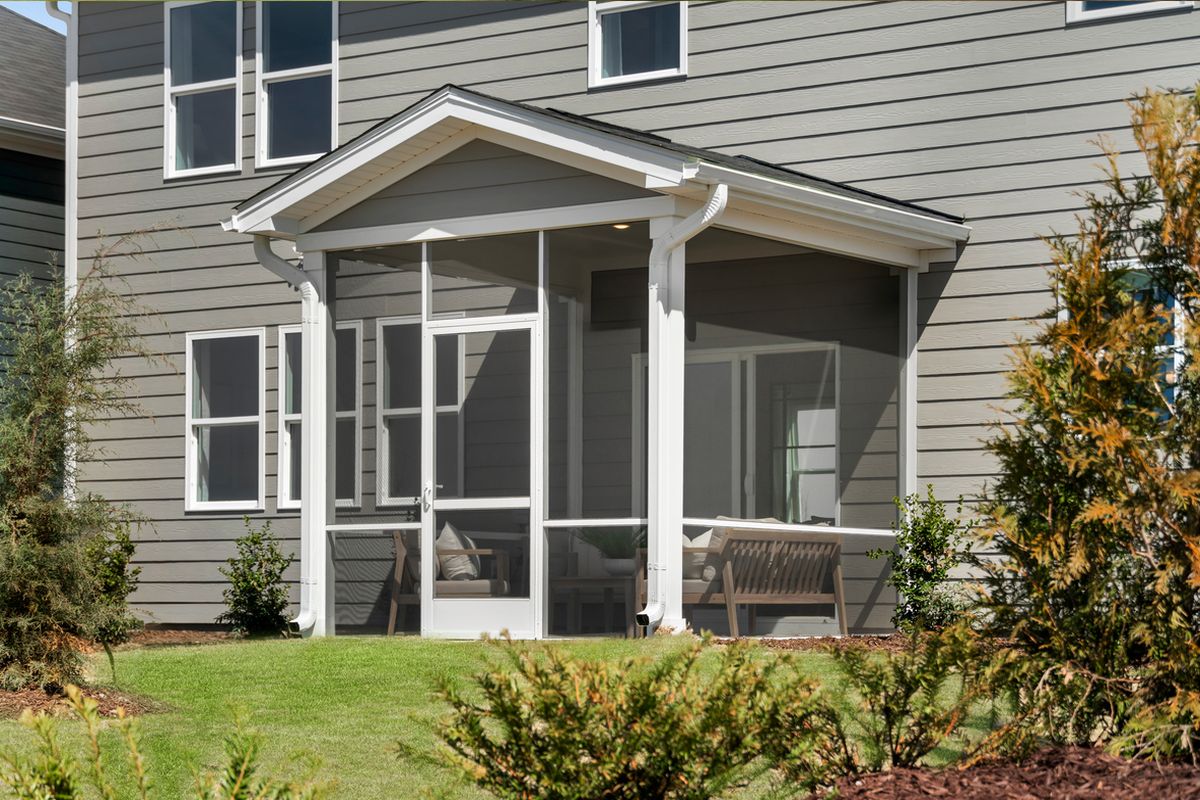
<point x="193" y="424"/>
<point x="283" y="493"/>
<point x="171" y="92"/>
<point x="383" y="415"/>
<point x="1076" y="12"/>
<point x="596" y="11"/>
<point x="283" y="450"/>
<point x="262" y="78"/>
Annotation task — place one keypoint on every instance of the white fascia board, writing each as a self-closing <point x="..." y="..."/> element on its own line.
<point x="658" y="166"/>
<point x="930" y="231"/>
<point x="819" y="236"/>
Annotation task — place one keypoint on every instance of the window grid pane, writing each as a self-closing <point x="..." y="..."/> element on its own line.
<point x="205" y="129"/>
<point x="203" y="43"/>
<point x="225" y="377"/>
<point x="298" y="116"/>
<point x="296" y="34"/>
<point x="640" y="40"/>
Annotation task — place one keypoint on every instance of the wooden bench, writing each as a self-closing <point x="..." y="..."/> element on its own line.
<point x="762" y="567"/>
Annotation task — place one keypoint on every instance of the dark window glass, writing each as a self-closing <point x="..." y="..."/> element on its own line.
<point x="296" y="34"/>
<point x="640" y="40"/>
<point x="203" y="42"/>
<point x="205" y="129"/>
<point x="298" y="117"/>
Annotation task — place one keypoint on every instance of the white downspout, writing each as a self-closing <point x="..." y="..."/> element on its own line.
<point x="71" y="194"/>
<point x="660" y="258"/>
<point x="310" y="300"/>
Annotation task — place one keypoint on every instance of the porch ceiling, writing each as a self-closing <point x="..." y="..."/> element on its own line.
<point x="765" y="200"/>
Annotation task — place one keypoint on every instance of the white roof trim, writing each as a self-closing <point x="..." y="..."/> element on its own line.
<point x="463" y="116"/>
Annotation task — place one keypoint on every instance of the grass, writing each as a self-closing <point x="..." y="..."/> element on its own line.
<point x="345" y="701"/>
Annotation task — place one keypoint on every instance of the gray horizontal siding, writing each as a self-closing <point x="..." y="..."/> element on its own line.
<point x="980" y="108"/>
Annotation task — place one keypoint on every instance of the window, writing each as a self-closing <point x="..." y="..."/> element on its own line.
<point x="398" y="387"/>
<point x="203" y="100"/>
<point x="348" y="458"/>
<point x="296" y="81"/>
<point x="1143" y="289"/>
<point x="1089" y="10"/>
<point x="636" y="41"/>
<point x="225" y="456"/>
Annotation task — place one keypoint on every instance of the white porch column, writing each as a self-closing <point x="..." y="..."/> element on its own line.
<point x="907" y="406"/>
<point x="667" y="341"/>
<point x="317" y="448"/>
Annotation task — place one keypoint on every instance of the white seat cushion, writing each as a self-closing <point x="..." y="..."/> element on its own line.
<point x="693" y="563"/>
<point x="456" y="567"/>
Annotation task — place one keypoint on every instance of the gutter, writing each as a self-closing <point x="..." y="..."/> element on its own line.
<point x="660" y="256"/>
<point x="310" y="299"/>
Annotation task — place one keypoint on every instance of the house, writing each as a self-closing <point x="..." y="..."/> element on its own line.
<point x="519" y="315"/>
<point x="32" y="134"/>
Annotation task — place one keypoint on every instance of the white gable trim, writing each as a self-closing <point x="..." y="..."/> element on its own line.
<point x="764" y="205"/>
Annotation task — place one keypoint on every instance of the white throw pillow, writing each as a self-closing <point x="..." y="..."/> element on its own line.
<point x="456" y="567"/>
<point x="693" y="563"/>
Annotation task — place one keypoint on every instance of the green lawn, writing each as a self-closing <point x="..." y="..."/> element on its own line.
<point x="345" y="701"/>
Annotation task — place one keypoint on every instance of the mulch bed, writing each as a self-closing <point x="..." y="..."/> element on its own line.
<point x="1060" y="774"/>
<point x="12" y="704"/>
<point x="892" y="643"/>
<point x="172" y="637"/>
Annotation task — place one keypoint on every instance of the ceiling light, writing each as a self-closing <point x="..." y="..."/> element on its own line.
<point x="621" y="226"/>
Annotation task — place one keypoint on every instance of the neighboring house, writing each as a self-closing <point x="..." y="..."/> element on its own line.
<point x="32" y="60"/>
<point x="583" y="281"/>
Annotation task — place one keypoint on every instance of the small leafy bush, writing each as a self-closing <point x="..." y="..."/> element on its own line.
<point x="928" y="542"/>
<point x="117" y="577"/>
<point x="543" y="724"/>
<point x="257" y="598"/>
<point x="905" y="705"/>
<point x="55" y="774"/>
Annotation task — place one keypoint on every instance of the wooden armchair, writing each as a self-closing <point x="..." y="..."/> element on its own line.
<point x="406" y="578"/>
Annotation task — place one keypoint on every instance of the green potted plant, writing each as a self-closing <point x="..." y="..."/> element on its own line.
<point x="618" y="547"/>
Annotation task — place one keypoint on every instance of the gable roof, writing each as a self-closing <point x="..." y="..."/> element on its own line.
<point x="32" y="71"/>
<point x="452" y="116"/>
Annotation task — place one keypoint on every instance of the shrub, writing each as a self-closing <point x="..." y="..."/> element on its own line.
<point x="1094" y="514"/>
<point x="900" y="707"/>
<point x="55" y="773"/>
<point x="257" y="598"/>
<point x="928" y="542"/>
<point x="59" y="379"/>
<point x="548" y="725"/>
<point x="112" y="556"/>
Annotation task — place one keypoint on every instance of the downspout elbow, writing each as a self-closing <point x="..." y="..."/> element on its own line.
<point x="714" y="207"/>
<point x="53" y="10"/>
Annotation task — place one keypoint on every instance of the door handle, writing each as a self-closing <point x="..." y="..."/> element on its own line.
<point x="427" y="497"/>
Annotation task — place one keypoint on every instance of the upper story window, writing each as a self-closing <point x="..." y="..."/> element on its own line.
<point x="296" y="81"/>
<point x="636" y="41"/>
<point x="1089" y="10"/>
<point x="203" y="101"/>
<point x="225" y="421"/>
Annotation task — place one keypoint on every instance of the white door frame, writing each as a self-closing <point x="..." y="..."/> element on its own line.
<point x="466" y="617"/>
